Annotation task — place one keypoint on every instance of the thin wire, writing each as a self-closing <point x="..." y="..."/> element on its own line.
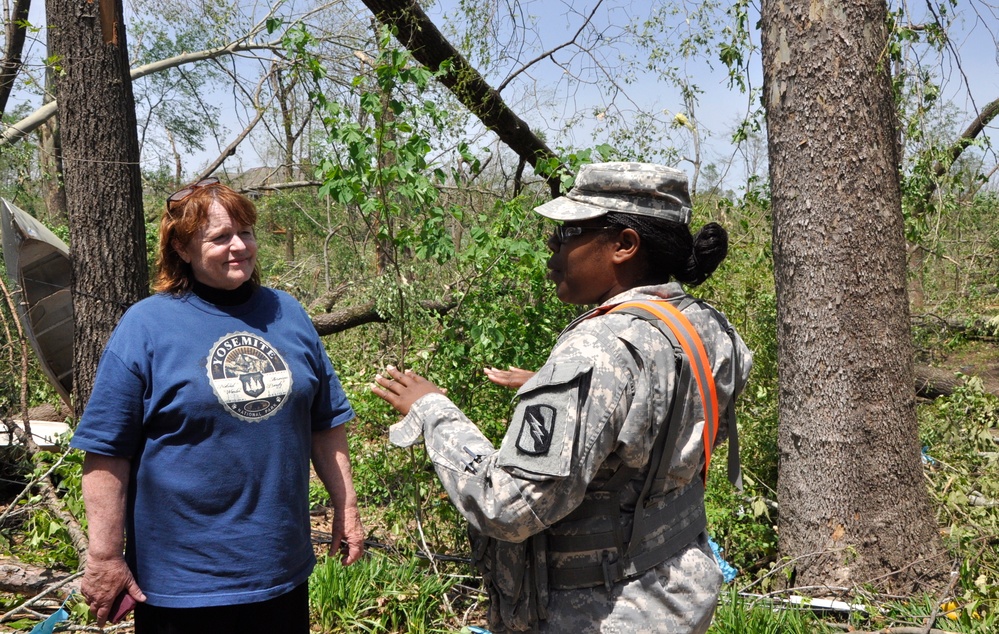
<point x="74" y="292"/>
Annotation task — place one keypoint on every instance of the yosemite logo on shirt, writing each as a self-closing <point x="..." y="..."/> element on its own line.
<point x="248" y="376"/>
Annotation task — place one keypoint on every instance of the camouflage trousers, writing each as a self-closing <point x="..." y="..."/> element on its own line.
<point x="678" y="596"/>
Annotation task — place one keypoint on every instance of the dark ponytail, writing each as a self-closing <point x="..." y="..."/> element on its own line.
<point x="671" y="252"/>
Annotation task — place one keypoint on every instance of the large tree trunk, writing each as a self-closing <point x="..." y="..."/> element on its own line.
<point x="101" y="163"/>
<point x="854" y="508"/>
<point x="50" y="157"/>
<point x="16" y="31"/>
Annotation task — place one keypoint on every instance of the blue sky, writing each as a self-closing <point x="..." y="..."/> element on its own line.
<point x="549" y="95"/>
<point x="968" y="71"/>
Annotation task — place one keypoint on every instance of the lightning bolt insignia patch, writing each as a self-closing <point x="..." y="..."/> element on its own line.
<point x="536" y="430"/>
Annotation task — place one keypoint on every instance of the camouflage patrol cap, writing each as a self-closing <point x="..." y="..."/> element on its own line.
<point x="643" y="189"/>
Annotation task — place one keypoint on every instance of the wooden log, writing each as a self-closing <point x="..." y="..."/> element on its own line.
<point x="936" y="382"/>
<point x="353" y="316"/>
<point x="23" y="579"/>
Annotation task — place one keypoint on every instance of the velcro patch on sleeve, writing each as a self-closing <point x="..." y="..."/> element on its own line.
<point x="537" y="430"/>
<point x="545" y="422"/>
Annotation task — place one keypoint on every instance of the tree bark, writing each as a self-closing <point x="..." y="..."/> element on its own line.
<point x="101" y="167"/>
<point x="420" y="36"/>
<point x="854" y="506"/>
<point x="20" y="578"/>
<point x="16" y="32"/>
<point x="50" y="156"/>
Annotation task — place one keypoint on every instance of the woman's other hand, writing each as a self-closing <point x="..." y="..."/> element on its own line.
<point x="402" y="389"/>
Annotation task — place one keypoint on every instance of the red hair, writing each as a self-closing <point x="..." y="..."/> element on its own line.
<point x="182" y="219"/>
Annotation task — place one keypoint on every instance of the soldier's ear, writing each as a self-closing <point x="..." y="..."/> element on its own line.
<point x="626" y="246"/>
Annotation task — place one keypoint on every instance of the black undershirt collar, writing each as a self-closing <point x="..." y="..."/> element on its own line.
<point x="222" y="297"/>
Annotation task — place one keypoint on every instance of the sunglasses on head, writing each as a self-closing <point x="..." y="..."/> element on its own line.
<point x="181" y="194"/>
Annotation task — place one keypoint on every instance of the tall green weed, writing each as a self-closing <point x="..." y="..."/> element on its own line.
<point x="377" y="594"/>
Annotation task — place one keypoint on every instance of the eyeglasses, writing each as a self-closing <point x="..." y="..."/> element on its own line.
<point x="564" y="233"/>
<point x="181" y="194"/>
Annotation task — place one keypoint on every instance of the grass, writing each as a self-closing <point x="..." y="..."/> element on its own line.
<point x="737" y="614"/>
<point x="381" y="594"/>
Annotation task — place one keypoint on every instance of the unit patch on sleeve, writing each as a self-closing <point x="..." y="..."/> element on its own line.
<point x="536" y="430"/>
<point x="248" y="376"/>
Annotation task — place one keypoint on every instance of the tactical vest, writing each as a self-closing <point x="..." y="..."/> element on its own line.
<point x="598" y="543"/>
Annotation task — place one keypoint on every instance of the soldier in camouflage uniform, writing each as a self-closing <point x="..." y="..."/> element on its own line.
<point x="552" y="512"/>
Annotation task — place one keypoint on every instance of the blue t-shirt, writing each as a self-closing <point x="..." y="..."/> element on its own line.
<point x="215" y="407"/>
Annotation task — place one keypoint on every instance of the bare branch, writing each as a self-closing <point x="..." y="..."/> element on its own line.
<point x="421" y="37"/>
<point x="231" y="148"/>
<point x="281" y="186"/>
<point x="29" y="124"/>
<point x="551" y="52"/>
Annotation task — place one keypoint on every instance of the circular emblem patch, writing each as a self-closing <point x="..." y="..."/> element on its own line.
<point x="248" y="376"/>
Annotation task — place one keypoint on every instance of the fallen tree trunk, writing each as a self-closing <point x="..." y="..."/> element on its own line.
<point x="977" y="328"/>
<point x="346" y="318"/>
<point x="23" y="579"/>
<point x="936" y="382"/>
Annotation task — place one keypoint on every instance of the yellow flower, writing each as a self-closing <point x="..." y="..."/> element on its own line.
<point x="951" y="610"/>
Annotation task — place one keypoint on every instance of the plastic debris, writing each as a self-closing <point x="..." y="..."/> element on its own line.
<point x="728" y="572"/>
<point x="927" y="458"/>
<point x="48" y="625"/>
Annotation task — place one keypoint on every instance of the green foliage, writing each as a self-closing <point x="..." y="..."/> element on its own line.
<point x="18" y="171"/>
<point x="45" y="539"/>
<point x="318" y="495"/>
<point x="377" y="594"/>
<point x="375" y="159"/>
<point x="959" y="617"/>
<point x="959" y="434"/>
<point x="940" y="167"/>
<point x="743" y="289"/>
<point x="741" y="523"/>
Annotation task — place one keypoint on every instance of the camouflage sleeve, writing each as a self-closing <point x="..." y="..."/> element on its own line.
<point x="746" y="360"/>
<point x="464" y="460"/>
<point x="565" y="425"/>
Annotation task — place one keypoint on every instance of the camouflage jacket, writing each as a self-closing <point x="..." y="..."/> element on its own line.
<point x="595" y="405"/>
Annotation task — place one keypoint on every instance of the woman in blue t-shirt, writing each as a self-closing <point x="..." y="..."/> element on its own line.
<point x="211" y="400"/>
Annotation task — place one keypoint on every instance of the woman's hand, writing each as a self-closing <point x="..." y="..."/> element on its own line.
<point x="513" y="377"/>
<point x="402" y="389"/>
<point x="331" y="460"/>
<point x="105" y="483"/>
<point x="103" y="580"/>
<point x="348" y="535"/>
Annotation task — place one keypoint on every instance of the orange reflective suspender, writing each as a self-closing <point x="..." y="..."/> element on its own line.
<point x="693" y="348"/>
